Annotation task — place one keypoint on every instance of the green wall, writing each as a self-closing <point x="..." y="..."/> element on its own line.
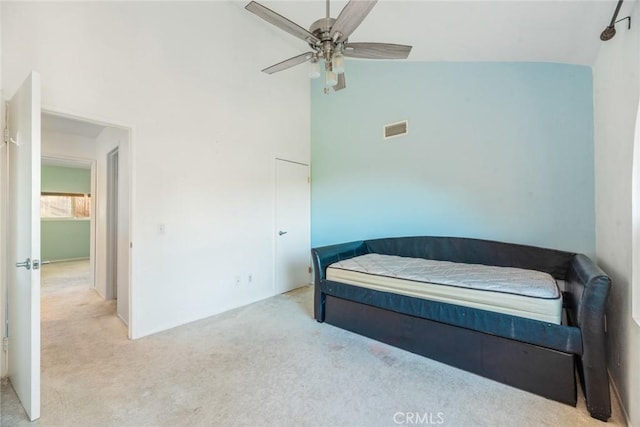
<point x="59" y="179"/>
<point x="63" y="239"/>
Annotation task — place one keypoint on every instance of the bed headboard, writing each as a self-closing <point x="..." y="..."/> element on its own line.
<point x="476" y="251"/>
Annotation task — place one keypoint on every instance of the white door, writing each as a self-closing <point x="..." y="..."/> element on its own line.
<point x="23" y="251"/>
<point x="293" y="240"/>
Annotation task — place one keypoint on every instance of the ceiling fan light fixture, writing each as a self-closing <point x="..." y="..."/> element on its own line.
<point x="330" y="78"/>
<point x="337" y="63"/>
<point x="314" y="69"/>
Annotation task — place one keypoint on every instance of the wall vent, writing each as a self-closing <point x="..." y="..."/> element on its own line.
<point x="396" y="129"/>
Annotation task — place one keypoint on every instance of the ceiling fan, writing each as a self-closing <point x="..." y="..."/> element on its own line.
<point x="328" y="39"/>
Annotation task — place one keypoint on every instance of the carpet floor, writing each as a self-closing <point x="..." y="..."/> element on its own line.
<point x="267" y="364"/>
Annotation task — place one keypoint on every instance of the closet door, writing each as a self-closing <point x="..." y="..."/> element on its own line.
<point x="293" y="229"/>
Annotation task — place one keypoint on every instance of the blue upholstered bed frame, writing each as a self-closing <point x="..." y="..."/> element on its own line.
<point x="536" y="356"/>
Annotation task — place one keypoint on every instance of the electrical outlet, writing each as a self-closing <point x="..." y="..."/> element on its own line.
<point x="250" y="278"/>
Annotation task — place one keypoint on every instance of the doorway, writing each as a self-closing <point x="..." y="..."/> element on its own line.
<point x="292" y="225"/>
<point x="107" y="146"/>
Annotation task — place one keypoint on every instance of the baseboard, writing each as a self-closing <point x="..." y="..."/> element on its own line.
<point x="617" y="395"/>
<point x="99" y="293"/>
<point x="121" y="318"/>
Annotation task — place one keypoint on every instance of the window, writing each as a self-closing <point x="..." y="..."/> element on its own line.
<point x="64" y="205"/>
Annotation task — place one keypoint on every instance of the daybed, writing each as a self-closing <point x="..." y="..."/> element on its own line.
<point x="534" y="355"/>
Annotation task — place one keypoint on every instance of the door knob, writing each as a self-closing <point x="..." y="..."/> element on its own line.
<point x="280" y="233"/>
<point x="26" y="264"/>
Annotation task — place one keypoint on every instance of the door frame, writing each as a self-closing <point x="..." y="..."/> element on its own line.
<point x="92" y="163"/>
<point x="4" y="188"/>
<point x="112" y="208"/>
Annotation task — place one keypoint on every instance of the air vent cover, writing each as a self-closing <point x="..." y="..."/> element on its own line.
<point x="396" y="129"/>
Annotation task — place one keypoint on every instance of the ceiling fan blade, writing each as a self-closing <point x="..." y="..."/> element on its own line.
<point x="351" y="16"/>
<point x="281" y="22"/>
<point x="288" y="63"/>
<point x="377" y="50"/>
<point x="342" y="83"/>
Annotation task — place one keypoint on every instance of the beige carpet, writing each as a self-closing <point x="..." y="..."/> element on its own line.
<point x="267" y="364"/>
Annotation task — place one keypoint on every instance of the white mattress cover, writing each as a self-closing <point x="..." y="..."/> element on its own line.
<point x="519" y="292"/>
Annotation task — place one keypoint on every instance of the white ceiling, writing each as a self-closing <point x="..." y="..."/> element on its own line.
<point x="55" y="123"/>
<point x="565" y="31"/>
<point x="541" y="31"/>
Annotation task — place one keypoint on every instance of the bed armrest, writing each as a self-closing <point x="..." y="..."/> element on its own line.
<point x="325" y="256"/>
<point x="588" y="288"/>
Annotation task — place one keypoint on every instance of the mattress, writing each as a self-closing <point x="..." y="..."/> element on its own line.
<point x="515" y="291"/>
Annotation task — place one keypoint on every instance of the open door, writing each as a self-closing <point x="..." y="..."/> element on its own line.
<point x="23" y="244"/>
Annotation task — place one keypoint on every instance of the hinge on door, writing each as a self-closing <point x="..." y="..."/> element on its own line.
<point x="5" y="132"/>
<point x="6" y="137"/>
<point x="5" y="344"/>
<point x="310" y="270"/>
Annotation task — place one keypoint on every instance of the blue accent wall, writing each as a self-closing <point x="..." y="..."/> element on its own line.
<point x="500" y="151"/>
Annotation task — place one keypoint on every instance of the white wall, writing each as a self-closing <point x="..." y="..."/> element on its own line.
<point x="616" y="90"/>
<point x="206" y="128"/>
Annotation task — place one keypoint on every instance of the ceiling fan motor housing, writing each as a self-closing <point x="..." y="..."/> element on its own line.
<point x="322" y="30"/>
